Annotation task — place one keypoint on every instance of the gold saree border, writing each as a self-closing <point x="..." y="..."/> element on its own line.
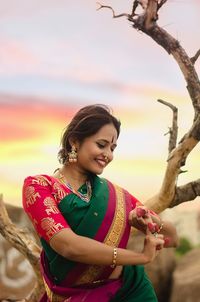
<point x="52" y="296"/>
<point x="112" y="238"/>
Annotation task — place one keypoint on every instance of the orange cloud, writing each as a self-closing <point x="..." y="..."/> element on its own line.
<point x="24" y="117"/>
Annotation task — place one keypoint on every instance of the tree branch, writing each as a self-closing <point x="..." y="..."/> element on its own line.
<point x="173" y="131"/>
<point x="163" y="199"/>
<point x="173" y="47"/>
<point x="113" y="12"/>
<point x="161" y="3"/>
<point x="177" y="159"/>
<point x="151" y="15"/>
<point x="186" y="192"/>
<point x="194" y="59"/>
<point x="146" y="22"/>
<point x="134" y="7"/>
<point x="21" y="240"/>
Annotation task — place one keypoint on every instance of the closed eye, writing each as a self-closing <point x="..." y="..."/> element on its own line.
<point x="101" y="146"/>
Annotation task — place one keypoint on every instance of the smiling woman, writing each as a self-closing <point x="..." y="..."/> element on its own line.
<point x="94" y="135"/>
<point x="97" y="150"/>
<point x="84" y="221"/>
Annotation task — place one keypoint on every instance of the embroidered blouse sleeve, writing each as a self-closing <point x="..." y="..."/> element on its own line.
<point x="41" y="207"/>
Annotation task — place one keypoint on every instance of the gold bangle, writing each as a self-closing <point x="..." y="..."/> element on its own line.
<point x="114" y="261"/>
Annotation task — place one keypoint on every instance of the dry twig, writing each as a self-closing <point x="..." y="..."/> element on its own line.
<point x="173" y="131"/>
<point x="195" y="58"/>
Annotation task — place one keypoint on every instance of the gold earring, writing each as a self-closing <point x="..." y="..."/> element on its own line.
<point x="72" y="156"/>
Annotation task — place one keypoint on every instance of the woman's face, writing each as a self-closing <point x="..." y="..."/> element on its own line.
<point x="96" y="151"/>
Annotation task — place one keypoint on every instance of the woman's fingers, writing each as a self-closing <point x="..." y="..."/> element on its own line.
<point x="160" y="241"/>
<point x="141" y="212"/>
<point x="152" y="227"/>
<point x="143" y="217"/>
<point x="157" y="239"/>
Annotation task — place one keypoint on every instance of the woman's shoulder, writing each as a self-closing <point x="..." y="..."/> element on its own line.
<point x="38" y="179"/>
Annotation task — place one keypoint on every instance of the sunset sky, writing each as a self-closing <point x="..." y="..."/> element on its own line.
<point x="57" y="56"/>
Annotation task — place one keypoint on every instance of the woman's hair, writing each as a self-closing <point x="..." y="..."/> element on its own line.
<point x="86" y="122"/>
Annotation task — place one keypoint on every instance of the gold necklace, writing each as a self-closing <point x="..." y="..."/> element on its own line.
<point x="84" y="196"/>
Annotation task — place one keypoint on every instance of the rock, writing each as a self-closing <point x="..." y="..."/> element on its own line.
<point x="17" y="277"/>
<point x="186" y="278"/>
<point x="160" y="273"/>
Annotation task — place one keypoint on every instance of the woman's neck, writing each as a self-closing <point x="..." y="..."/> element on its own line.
<point x="73" y="176"/>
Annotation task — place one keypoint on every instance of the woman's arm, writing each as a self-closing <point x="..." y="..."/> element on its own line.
<point x="85" y="250"/>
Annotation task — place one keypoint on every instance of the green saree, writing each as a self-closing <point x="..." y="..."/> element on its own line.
<point x="104" y="218"/>
<point x="136" y="286"/>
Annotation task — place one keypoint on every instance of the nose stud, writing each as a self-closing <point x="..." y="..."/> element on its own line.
<point x="106" y="157"/>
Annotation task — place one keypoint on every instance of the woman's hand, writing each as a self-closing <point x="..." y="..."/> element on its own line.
<point x="141" y="219"/>
<point x="152" y="245"/>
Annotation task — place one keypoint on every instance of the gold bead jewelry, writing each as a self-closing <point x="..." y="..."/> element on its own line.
<point x="84" y="196"/>
<point x="114" y="260"/>
<point x="72" y="156"/>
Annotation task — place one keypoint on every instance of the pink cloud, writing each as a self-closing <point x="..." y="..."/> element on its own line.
<point x="15" y="57"/>
<point x="12" y="9"/>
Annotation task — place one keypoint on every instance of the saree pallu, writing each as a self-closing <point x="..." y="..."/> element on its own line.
<point x="105" y="219"/>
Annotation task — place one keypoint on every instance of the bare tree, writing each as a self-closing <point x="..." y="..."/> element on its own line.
<point x="170" y="194"/>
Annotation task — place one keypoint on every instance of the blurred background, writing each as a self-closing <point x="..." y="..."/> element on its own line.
<point x="57" y="56"/>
